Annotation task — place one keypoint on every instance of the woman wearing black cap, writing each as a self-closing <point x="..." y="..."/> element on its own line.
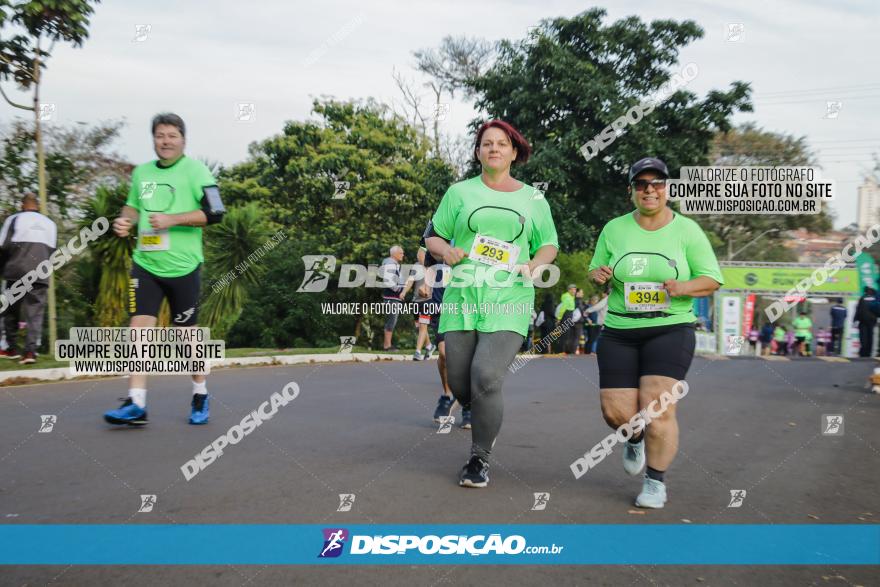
<point x="656" y="261"/>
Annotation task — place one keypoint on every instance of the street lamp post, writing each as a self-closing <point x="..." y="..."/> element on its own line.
<point x="730" y="255"/>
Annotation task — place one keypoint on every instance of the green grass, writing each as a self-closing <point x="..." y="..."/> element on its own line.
<point x="45" y="362"/>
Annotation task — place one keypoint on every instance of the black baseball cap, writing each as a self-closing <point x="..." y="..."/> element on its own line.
<point x="648" y="163"/>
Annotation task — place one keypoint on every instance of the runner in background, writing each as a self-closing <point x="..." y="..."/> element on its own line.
<point x="421" y="298"/>
<point x="436" y="276"/>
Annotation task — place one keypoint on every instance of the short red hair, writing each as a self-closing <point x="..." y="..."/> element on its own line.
<point x="519" y="142"/>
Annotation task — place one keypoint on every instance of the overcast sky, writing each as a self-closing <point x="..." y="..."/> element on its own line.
<point x="201" y="59"/>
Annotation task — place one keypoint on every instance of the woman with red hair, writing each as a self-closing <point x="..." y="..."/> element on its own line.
<point x="494" y="231"/>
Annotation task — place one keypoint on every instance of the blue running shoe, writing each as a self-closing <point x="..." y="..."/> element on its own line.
<point x="465" y="419"/>
<point x="200" y="411"/>
<point x="128" y="413"/>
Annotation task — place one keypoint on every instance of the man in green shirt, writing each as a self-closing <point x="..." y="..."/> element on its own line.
<point x="567" y="304"/>
<point x="167" y="204"/>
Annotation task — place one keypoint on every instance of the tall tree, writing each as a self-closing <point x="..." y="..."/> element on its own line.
<point x="350" y="184"/>
<point x="23" y="55"/>
<point x="759" y="237"/>
<point x="572" y="79"/>
<point x="451" y="67"/>
<point x="79" y="159"/>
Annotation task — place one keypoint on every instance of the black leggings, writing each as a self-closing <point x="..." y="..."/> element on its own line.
<point x="476" y="363"/>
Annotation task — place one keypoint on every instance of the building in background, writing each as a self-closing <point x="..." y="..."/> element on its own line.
<point x="811" y="247"/>
<point x="869" y="203"/>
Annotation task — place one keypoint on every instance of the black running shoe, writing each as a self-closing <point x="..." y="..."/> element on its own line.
<point x="475" y="473"/>
<point x="444" y="408"/>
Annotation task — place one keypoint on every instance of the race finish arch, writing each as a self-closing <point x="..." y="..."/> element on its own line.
<point x="749" y="287"/>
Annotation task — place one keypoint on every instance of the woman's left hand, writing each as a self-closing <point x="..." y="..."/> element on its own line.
<point x="675" y="288"/>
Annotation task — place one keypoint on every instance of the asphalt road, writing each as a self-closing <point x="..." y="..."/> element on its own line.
<point x="366" y="429"/>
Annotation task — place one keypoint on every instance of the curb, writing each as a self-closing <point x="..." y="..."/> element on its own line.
<point x="31" y="376"/>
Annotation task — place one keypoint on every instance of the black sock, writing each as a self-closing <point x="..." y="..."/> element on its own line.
<point x="655" y="474"/>
<point x="637" y="439"/>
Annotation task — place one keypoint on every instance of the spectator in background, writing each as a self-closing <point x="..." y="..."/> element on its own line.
<point x="593" y="326"/>
<point x="580" y="306"/>
<point x="600" y="309"/>
<point x="867" y="320"/>
<point x="803" y="330"/>
<point x="753" y="339"/>
<point x="838" y="322"/>
<point x="564" y="314"/>
<point x="766" y="338"/>
<point x="421" y="299"/>
<point x="393" y="293"/>
<point x="823" y="340"/>
<point x="26" y="240"/>
<point x="779" y="337"/>
<point x="546" y="322"/>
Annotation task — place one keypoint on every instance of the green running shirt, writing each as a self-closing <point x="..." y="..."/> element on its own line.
<point x="169" y="190"/>
<point x="679" y="250"/>
<point x="522" y="218"/>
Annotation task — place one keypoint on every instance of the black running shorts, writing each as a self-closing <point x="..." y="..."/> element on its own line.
<point x="626" y="354"/>
<point x="145" y="293"/>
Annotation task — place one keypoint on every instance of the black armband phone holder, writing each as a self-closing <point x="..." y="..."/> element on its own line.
<point x="212" y="205"/>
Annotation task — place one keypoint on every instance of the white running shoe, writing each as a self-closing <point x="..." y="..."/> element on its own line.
<point x="653" y="494"/>
<point x="634" y="457"/>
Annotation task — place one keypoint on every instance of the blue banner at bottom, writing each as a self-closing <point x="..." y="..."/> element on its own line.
<point x="413" y="544"/>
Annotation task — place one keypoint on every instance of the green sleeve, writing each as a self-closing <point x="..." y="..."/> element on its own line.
<point x="446" y="214"/>
<point x="700" y="256"/>
<point x="601" y="256"/>
<point x="543" y="229"/>
<point x="134" y="192"/>
<point x="566" y="305"/>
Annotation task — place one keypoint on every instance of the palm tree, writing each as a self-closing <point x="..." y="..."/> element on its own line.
<point x="227" y="247"/>
<point x="112" y="255"/>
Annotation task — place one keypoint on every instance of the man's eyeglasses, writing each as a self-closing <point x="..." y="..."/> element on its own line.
<point x="642" y="184"/>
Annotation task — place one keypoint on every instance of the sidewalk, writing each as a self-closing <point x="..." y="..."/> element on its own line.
<point x="29" y="376"/>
